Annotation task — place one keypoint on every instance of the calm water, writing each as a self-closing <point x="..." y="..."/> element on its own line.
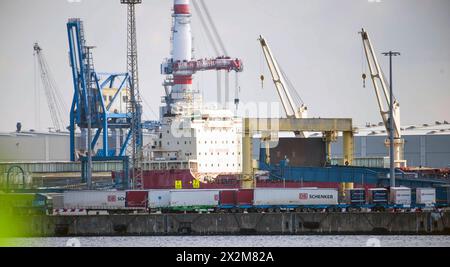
<point x="244" y="241"/>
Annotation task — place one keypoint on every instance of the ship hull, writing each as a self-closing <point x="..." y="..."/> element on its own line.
<point x="183" y="179"/>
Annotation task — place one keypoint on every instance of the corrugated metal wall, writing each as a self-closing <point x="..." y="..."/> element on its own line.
<point x="420" y="150"/>
<point x="38" y="146"/>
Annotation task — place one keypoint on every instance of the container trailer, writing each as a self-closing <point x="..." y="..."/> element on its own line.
<point x="251" y="200"/>
<point x="244" y="198"/>
<point x="378" y="196"/>
<point x="400" y="196"/>
<point x="95" y="200"/>
<point x="295" y="197"/>
<point x="425" y="196"/>
<point x="194" y="199"/>
<point x="355" y="196"/>
<point x="267" y="197"/>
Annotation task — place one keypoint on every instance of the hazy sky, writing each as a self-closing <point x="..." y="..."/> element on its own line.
<point x="315" y="41"/>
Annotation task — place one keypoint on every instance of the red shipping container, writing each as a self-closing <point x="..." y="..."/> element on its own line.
<point x="227" y="197"/>
<point x="136" y="199"/>
<point x="244" y="197"/>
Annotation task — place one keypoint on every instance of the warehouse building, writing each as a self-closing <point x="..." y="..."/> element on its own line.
<point x="426" y="145"/>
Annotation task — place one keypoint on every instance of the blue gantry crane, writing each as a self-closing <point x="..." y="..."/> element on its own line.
<point x="94" y="108"/>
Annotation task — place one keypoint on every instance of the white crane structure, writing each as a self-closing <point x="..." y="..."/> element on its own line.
<point x="294" y="107"/>
<point x="292" y="103"/>
<point x="55" y="101"/>
<point x="381" y="87"/>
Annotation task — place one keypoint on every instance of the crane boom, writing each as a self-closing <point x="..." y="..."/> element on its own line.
<point x="55" y="101"/>
<point x="381" y="87"/>
<point x="290" y="107"/>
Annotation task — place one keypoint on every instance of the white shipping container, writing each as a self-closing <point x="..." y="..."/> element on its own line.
<point x="295" y="196"/>
<point x="158" y="199"/>
<point x="400" y="195"/>
<point x="194" y="197"/>
<point x="425" y="195"/>
<point x="276" y="196"/>
<point x="94" y="199"/>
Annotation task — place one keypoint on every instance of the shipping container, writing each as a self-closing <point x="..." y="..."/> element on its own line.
<point x="194" y="198"/>
<point x="276" y="196"/>
<point x="400" y="196"/>
<point x="244" y="197"/>
<point x="378" y="196"/>
<point x="158" y="198"/>
<point x="136" y="199"/>
<point x="227" y="197"/>
<point x="355" y="196"/>
<point x="425" y="196"/>
<point x="295" y="196"/>
<point x="443" y="195"/>
<point x="102" y="200"/>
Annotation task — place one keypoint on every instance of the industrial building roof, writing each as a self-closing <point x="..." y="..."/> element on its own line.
<point x="436" y="128"/>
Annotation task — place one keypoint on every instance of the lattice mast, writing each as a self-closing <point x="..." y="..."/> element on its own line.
<point x="134" y="107"/>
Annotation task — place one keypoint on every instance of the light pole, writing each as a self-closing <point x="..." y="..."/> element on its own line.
<point x="391" y="118"/>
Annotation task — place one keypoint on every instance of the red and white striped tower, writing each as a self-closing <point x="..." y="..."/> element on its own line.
<point x="182" y="49"/>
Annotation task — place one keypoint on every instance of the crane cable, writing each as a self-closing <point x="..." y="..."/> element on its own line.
<point x="213" y="27"/>
<point x="207" y="31"/>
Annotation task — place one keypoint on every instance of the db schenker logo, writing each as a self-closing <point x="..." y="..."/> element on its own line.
<point x="303" y="196"/>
